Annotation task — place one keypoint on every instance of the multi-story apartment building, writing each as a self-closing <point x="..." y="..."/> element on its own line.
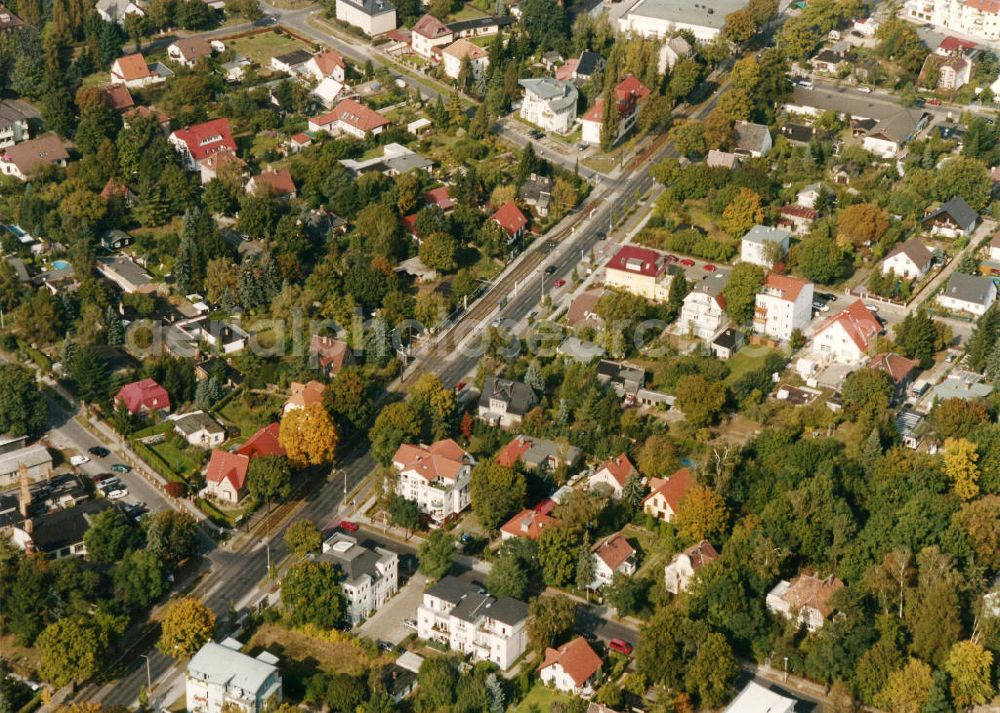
<point x="641" y="271"/>
<point x="703" y="314"/>
<point x="975" y="18"/>
<point x="371" y="575"/>
<point x="783" y="305"/>
<point x="462" y="616"/>
<point x="219" y="677"/>
<point x="436" y="477"/>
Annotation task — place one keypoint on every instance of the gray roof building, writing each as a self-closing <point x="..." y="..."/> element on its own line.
<point x="961" y="213"/>
<point x="559" y="95"/>
<point x="232" y="675"/>
<point x="472" y="603"/>
<point x="516" y="396"/>
<point x="191" y="423"/>
<point x="764" y="234"/>
<point x="125" y="273"/>
<point x="755" y="138"/>
<point x="971" y="289"/>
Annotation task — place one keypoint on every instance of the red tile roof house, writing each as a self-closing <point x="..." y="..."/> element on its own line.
<point x="614" y="474"/>
<point x="329" y="355"/>
<point x="145" y="396"/>
<point x="327" y="64"/>
<point x="303" y="395"/>
<point x="132" y="71"/>
<point x="226" y="476"/>
<point x="188" y="50"/>
<point x="198" y="142"/>
<point x="352" y="118"/>
<point x="117" y="97"/>
<point x="629" y="93"/>
<point x="441" y="197"/>
<point x="278" y="184"/>
<point x="682" y="568"/>
<point x="263" y="443"/>
<point x="571" y="668"/>
<point x="527" y="524"/>
<point x="511" y="219"/>
<point x="846" y="337"/>
<point x="427" y="33"/>
<point x="436" y="477"/>
<point x="667" y="494"/>
<point x="612" y="556"/>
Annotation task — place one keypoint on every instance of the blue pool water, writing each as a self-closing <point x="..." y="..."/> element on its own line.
<point x="59" y="264"/>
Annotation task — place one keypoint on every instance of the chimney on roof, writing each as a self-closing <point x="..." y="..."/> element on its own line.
<point x="25" y="499"/>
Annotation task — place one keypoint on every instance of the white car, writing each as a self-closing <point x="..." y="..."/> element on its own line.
<point x="116" y="494"/>
<point x="78" y="460"/>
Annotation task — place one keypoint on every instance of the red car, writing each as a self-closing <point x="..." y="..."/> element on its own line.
<point x="671" y="258"/>
<point x="348" y="526"/>
<point x="621" y="646"/>
<point x="459" y="386"/>
<point x="934" y="102"/>
<point x="708" y="267"/>
<point x="687" y="262"/>
<point x="559" y="283"/>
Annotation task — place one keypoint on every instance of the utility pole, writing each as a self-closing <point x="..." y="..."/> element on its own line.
<point x="149" y="675"/>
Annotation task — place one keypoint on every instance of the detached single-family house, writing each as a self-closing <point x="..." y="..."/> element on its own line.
<point x="122" y="270"/>
<point x="667" y="494"/>
<point x="722" y="159"/>
<point x="436" y="477"/>
<point x="549" y="104"/>
<point x="672" y="50"/>
<point x="783" y="305"/>
<point x="527" y="524"/>
<point x="329" y="355"/>
<point x="455" y="54"/>
<point x="352" y="118"/>
<point x="968" y="293"/>
<point x="764" y="245"/>
<point x="751" y="139"/>
<point x="226" y="476"/>
<point x="953" y="219"/>
<point x="727" y="343"/>
<point x="808" y="196"/>
<point x="303" y="395"/>
<point x="132" y="71"/>
<point x="22" y="160"/>
<point x="806" y="599"/>
<point x="908" y="260"/>
<point x="326" y="65"/>
<point x="373" y="17"/>
<point x="572" y="668"/>
<point x="613" y="474"/>
<point x="827" y="61"/>
<point x="536" y="193"/>
<point x="219" y="677"/>
<point x="200" y="142"/>
<point x="511" y="219"/>
<point x="612" y="556"/>
<point x="290" y="62"/>
<point x="703" y="312"/>
<point x="199" y="429"/>
<point x="899" y="369"/>
<point x="639" y="271"/>
<point x="275" y="183"/>
<point x="538" y="454"/>
<point x="628" y="95"/>
<point x="848" y="336"/>
<point x="887" y="138"/>
<point x="504" y="402"/>
<point x="145" y="396"/>
<point x="263" y="443"/>
<point x="427" y="33"/>
<point x="797" y="218"/>
<point x="118" y="10"/>
<point x="188" y="50"/>
<point x="683" y="566"/>
<point x="115" y="239"/>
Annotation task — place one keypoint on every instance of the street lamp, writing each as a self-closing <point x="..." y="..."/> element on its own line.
<point x="786" y="669"/>
<point x="149" y="675"/>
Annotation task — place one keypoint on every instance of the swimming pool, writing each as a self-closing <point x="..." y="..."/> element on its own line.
<point x="59" y="264"/>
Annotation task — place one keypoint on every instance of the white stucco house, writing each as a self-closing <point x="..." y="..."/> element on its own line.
<point x="220" y="677"/>
<point x="549" y="104"/>
<point x="682" y="567"/>
<point x="763" y="243"/>
<point x="969" y="294"/>
<point x="908" y="260"/>
<point x="614" y="555"/>
<point x="373" y="17"/>
<point x="572" y="668"/>
<point x="848" y="336"/>
<point x="370" y="574"/>
<point x="703" y="313"/>
<point x="783" y="305"/>
<point x="436" y="477"/>
<point x="806" y="599"/>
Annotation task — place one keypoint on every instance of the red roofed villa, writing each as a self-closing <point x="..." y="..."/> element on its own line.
<point x="350" y="117"/>
<point x="441" y="197"/>
<point x="629" y="93"/>
<point x="226" y="476"/>
<point x="639" y="271"/>
<point x="436" y="477"/>
<point x="527" y="524"/>
<point x="667" y="494"/>
<point x="614" y="474"/>
<point x="263" y="443"/>
<point x="276" y="183"/>
<point x="571" y="668"/>
<point x="132" y="71"/>
<point x="511" y="219"/>
<point x="196" y="143"/>
<point x="145" y="396"/>
<point x="846" y="337"/>
<point x="612" y="556"/>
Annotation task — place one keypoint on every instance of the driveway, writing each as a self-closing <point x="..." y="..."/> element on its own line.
<point x="387" y="623"/>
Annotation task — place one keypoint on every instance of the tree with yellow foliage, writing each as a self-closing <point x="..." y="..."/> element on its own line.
<point x="960" y="457"/>
<point x="308" y="436"/>
<point x="702" y="515"/>
<point x="968" y="665"/>
<point x="187" y="626"/>
<point x="743" y="212"/>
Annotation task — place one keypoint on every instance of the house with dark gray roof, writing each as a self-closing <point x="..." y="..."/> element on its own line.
<point x="504" y="402"/>
<point x="370" y="574"/>
<point x="373" y="17"/>
<point x="751" y="139"/>
<point x="589" y="64"/>
<point x="968" y="294"/>
<point x="199" y="429"/>
<point x="953" y="219"/>
<point x="58" y="533"/>
<point x="465" y="618"/>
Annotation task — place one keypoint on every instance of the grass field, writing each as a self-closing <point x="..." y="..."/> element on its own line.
<point x="540" y="698"/>
<point x="746" y="359"/>
<point x="260" y="48"/>
<point x="185" y="462"/>
<point x="250" y="412"/>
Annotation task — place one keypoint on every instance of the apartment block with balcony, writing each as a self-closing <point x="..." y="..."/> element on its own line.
<point x="640" y="271"/>
<point x="783" y="305"/>
<point x="221" y="678"/>
<point x="463" y="617"/>
<point x="371" y="574"/>
<point x="979" y="19"/>
<point x="436" y="477"/>
<point x="703" y="314"/>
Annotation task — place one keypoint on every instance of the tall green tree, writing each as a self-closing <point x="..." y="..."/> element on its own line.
<point x="311" y="594"/>
<point x="436" y="554"/>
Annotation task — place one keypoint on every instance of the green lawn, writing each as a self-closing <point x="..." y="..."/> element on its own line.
<point x="260" y="48"/>
<point x="185" y="462"/>
<point x="540" y="698"/>
<point x="468" y="12"/>
<point x="746" y="359"/>
<point x="250" y="412"/>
